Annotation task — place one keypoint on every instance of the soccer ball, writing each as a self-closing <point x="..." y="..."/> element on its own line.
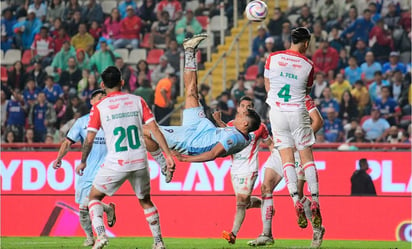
<point x="256" y="11"/>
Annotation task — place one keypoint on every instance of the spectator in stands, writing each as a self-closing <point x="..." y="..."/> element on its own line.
<point x="9" y="138"/>
<point x="375" y="15"/>
<point x="397" y="86"/>
<point x="16" y="76"/>
<point x="148" y="14"/>
<point x="188" y="24"/>
<point x="145" y="91"/>
<point x="102" y="58"/>
<point x="325" y="58"/>
<point x="38" y="74"/>
<point x="123" y="7"/>
<point x="4" y="101"/>
<point x="29" y="139"/>
<point x="26" y="30"/>
<point x="16" y="115"/>
<point x="259" y="89"/>
<point x="360" y="51"/>
<point x="76" y="108"/>
<point x="258" y="46"/>
<point x="268" y="49"/>
<point x="376" y="128"/>
<point x="369" y="67"/>
<point x="8" y="20"/>
<point x="90" y="88"/>
<point x="328" y="13"/>
<point x="143" y="71"/>
<point x="161" y="30"/>
<point x="111" y="27"/>
<point x="163" y="98"/>
<point x="353" y="71"/>
<point x="93" y="11"/>
<point x="332" y="127"/>
<point x="319" y="84"/>
<point x="60" y="61"/>
<point x="226" y="106"/>
<point x="74" y="23"/>
<point x="392" y="18"/>
<point x="239" y="90"/>
<point x="318" y="36"/>
<point x="42" y="117"/>
<point x="360" y="28"/>
<point x="42" y="48"/>
<point x="83" y="82"/>
<point x="350" y="18"/>
<point x="61" y="37"/>
<point x="83" y="40"/>
<point x="203" y="94"/>
<point x="358" y="137"/>
<point x="40" y="9"/>
<point x="126" y="74"/>
<point x="6" y="42"/>
<point x="376" y="86"/>
<point x="162" y="70"/>
<point x="72" y="7"/>
<point x="335" y="41"/>
<point x="361" y="95"/>
<point x="83" y="61"/>
<point x="348" y="108"/>
<point x="173" y="55"/>
<point x="174" y="8"/>
<point x="306" y="18"/>
<point x="388" y="107"/>
<point x="362" y="183"/>
<point x="328" y="102"/>
<point x="276" y="22"/>
<point x="52" y="90"/>
<point x="60" y="109"/>
<point x="95" y="31"/>
<point x="393" y="65"/>
<point x="55" y="10"/>
<point x="30" y="92"/>
<point x="381" y="41"/>
<point x="70" y="77"/>
<point x="284" y="38"/>
<point x="130" y="28"/>
<point x="394" y="135"/>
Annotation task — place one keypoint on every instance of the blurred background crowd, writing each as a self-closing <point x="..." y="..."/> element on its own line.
<point x="54" y="51"/>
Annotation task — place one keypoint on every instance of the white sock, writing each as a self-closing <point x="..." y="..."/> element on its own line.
<point x="267" y="210"/>
<point x="152" y="217"/>
<point x="311" y="175"/>
<point x="159" y="158"/>
<point x="190" y="60"/>
<point x="239" y="217"/>
<point x="291" y="180"/>
<point x="96" y="215"/>
<point x="306" y="206"/>
<point x="85" y="221"/>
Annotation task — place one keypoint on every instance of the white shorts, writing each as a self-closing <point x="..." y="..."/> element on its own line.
<point x="274" y="162"/>
<point x="291" y="129"/>
<point x="108" y="181"/>
<point x="243" y="183"/>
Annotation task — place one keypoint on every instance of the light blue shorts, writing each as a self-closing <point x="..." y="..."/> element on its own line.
<point x="82" y="192"/>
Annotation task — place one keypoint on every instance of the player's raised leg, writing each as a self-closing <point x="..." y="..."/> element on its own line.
<point x="154" y="149"/>
<point x="96" y="210"/>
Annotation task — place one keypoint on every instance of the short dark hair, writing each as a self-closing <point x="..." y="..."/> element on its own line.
<point x="366" y="11"/>
<point x="246" y="98"/>
<point x="386" y="87"/>
<point x="300" y="34"/>
<point x="112" y="77"/>
<point x="254" y="120"/>
<point x="377" y="73"/>
<point x="97" y="91"/>
<point x="362" y="161"/>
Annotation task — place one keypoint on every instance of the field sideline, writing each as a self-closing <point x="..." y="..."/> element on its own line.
<point x="174" y="243"/>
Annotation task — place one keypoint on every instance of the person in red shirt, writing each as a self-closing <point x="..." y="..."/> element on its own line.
<point x="325" y="58"/>
<point x="42" y="47"/>
<point x="174" y="8"/>
<point x="130" y="28"/>
<point x="380" y="41"/>
<point x="60" y="38"/>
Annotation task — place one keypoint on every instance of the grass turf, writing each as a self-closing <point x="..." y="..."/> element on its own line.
<point x="174" y="243"/>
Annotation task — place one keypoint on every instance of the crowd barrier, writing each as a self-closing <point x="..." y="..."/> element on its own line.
<point x="39" y="201"/>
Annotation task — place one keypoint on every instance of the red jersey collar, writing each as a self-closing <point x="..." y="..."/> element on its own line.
<point x="115" y="93"/>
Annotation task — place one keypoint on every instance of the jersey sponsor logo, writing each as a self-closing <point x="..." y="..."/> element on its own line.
<point x="289" y="75"/>
<point x="297" y="66"/>
<point x="125" y="115"/>
<point x="128" y="103"/>
<point x="120" y="162"/>
<point x="282" y="64"/>
<point x="114" y="107"/>
<point x="229" y="141"/>
<point x="289" y="59"/>
<point x="201" y="114"/>
<point x="169" y="130"/>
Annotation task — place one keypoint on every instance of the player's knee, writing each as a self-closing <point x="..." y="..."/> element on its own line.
<point x="265" y="189"/>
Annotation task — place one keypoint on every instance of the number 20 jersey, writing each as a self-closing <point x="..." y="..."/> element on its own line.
<point x="121" y="116"/>
<point x="289" y="74"/>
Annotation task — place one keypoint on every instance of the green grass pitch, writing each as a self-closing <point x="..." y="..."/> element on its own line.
<point x="174" y="243"/>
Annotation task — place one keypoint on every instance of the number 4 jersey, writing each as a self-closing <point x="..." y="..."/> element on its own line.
<point x="290" y="74"/>
<point x="121" y="116"/>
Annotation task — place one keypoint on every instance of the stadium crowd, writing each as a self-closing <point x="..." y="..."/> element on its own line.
<point x="361" y="51"/>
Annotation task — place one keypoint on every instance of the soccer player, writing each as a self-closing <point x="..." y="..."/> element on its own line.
<point x="244" y="170"/>
<point x="121" y="116"/>
<point x="274" y="174"/>
<point x="198" y="139"/>
<point x="95" y="160"/>
<point x="288" y="79"/>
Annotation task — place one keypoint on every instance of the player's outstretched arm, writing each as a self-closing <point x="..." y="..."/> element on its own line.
<point x="154" y="128"/>
<point x="317" y="120"/>
<point x="64" y="148"/>
<point x="87" y="147"/>
<point x="217" y="151"/>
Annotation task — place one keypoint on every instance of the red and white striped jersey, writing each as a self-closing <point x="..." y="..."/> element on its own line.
<point x="290" y="74"/>
<point x="246" y="161"/>
<point x="121" y="116"/>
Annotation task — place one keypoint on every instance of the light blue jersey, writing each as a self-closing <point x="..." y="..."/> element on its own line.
<point x="78" y="132"/>
<point x="198" y="135"/>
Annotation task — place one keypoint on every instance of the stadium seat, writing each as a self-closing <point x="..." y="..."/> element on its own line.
<point x="154" y="56"/>
<point x="3" y="73"/>
<point x="136" y="55"/>
<point x="203" y="20"/>
<point x="215" y="23"/>
<point x="363" y="119"/>
<point x="251" y="72"/>
<point x="26" y="59"/>
<point x="192" y="5"/>
<point x="146" y="41"/>
<point x="49" y="70"/>
<point x="108" y="5"/>
<point x="11" y="56"/>
<point x="123" y="52"/>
